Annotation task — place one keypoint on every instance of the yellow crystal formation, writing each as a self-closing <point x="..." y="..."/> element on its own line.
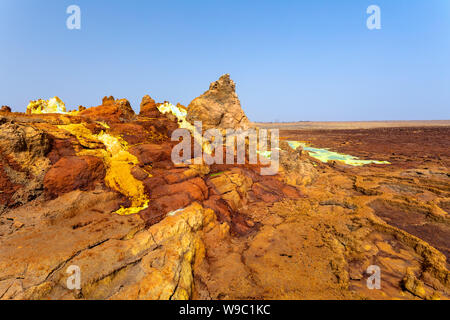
<point x="53" y="105"/>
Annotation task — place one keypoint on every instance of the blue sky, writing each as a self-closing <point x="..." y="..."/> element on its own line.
<point x="292" y="60"/>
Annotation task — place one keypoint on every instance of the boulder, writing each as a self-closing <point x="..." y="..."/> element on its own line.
<point x="219" y="107"/>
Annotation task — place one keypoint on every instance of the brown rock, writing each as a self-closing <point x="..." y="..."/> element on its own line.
<point x="150" y="153"/>
<point x="270" y="244"/>
<point x="124" y="106"/>
<point x="60" y="148"/>
<point x="220" y="207"/>
<point x="175" y="176"/>
<point x="5" y="109"/>
<point x="149" y="107"/>
<point x="195" y="188"/>
<point x="413" y="285"/>
<point x="17" y="138"/>
<point x="152" y="182"/>
<point x="298" y="168"/>
<point x="180" y="175"/>
<point x="153" y="216"/>
<point x="219" y="107"/>
<point x="291" y="192"/>
<point x="110" y="110"/>
<point x="7" y="188"/>
<point x="73" y="173"/>
<point x="160" y="207"/>
<point x="23" y="162"/>
<point x="132" y="133"/>
<point x="139" y="173"/>
<point x="233" y="187"/>
<point x="265" y="193"/>
<point x="108" y="100"/>
<point x="166" y="198"/>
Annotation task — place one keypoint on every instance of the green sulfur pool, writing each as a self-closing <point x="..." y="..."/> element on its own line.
<point x="326" y="155"/>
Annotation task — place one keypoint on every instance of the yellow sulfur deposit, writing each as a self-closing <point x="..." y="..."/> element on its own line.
<point x="118" y="162"/>
<point x="181" y="115"/>
<point x="53" y="105"/>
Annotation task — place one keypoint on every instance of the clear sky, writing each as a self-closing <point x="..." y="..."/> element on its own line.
<point x="292" y="60"/>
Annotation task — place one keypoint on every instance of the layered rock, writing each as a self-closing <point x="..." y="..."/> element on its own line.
<point x="219" y="107"/>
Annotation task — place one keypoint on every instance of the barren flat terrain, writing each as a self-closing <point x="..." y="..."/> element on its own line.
<point x="405" y="147"/>
<point x="417" y="176"/>
<point x="330" y="125"/>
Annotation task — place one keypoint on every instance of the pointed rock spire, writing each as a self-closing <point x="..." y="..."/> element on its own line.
<point x="219" y="107"/>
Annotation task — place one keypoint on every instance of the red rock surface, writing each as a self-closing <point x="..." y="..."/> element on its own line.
<point x="110" y="110"/>
<point x="73" y="173"/>
<point x="150" y="153"/>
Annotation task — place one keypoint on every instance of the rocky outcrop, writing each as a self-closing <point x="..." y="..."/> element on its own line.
<point x="23" y="142"/>
<point x="298" y="168"/>
<point x="219" y="107"/>
<point x="5" y="109"/>
<point x="110" y="110"/>
<point x="118" y="257"/>
<point x="23" y="151"/>
<point x="149" y="107"/>
<point x="53" y="105"/>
